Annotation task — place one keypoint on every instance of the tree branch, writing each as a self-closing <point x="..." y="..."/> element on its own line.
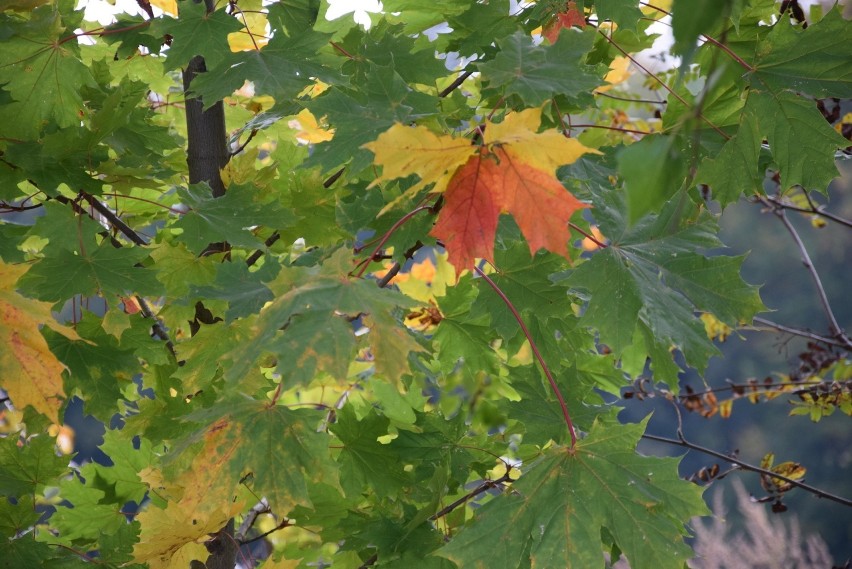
<point x="797" y="332"/>
<point x="750" y="467"/>
<point x="834" y="327"/>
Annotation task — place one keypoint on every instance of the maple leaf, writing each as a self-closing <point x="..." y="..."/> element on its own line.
<point x="402" y="151"/>
<point x="468" y="221"/>
<point x="31" y="373"/>
<point x="511" y="173"/>
<point x="571" y="17"/>
<point x="548" y="520"/>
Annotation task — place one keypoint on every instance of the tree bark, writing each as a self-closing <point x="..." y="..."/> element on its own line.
<point x="207" y="153"/>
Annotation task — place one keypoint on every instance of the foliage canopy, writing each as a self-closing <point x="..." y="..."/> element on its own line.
<point x="536" y="247"/>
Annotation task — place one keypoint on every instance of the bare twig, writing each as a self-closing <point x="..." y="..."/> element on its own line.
<point x="834" y="327"/>
<point x="796" y="332"/>
<point x="749" y="467"/>
<point x="814" y="210"/>
<point x="262" y="507"/>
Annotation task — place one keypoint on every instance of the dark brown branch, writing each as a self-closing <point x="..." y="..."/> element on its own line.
<point x="254" y="257"/>
<point x="682" y="442"/>
<point x="455" y="84"/>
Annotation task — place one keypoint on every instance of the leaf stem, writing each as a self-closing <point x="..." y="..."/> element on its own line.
<point x="538" y="356"/>
<point x="366" y="262"/>
<point x="588" y="235"/>
<point x="681" y="441"/>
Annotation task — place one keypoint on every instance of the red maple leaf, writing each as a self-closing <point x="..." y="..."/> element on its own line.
<point x="572" y="16"/>
<point x="467" y="223"/>
<point x="499" y="181"/>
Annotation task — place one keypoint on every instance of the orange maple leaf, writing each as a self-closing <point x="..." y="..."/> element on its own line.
<point x="467" y="223"/>
<point x="499" y="181"/>
<point x="572" y="16"/>
<point x="540" y="204"/>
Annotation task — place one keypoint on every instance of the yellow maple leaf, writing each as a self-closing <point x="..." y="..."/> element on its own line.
<point x="546" y="151"/>
<point x="31" y="374"/>
<point x="171" y="538"/>
<point x="619" y="71"/>
<point x="253" y="35"/>
<point x="168" y="6"/>
<point x="404" y="150"/>
<point x="309" y="129"/>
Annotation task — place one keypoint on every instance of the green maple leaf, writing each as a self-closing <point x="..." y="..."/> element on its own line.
<point x="461" y="336"/>
<point x="554" y="514"/>
<point x="294" y="16"/>
<point x="648" y="189"/>
<point x="813" y="61"/>
<point x="16" y="518"/>
<point x="243" y="289"/>
<point x="228" y="218"/>
<point x="801" y="141"/>
<point x="43" y="75"/>
<point x="99" y="369"/>
<point x="360" y="117"/>
<point x="319" y="297"/>
<point x="364" y="461"/>
<point x="537" y="73"/>
<point x="734" y="170"/>
<point x="419" y="15"/>
<point x="28" y="469"/>
<point x="538" y="409"/>
<point x="282" y="69"/>
<point x="526" y="282"/>
<point x="279" y="447"/>
<point x="386" y="46"/>
<point x="196" y="32"/>
<point x="625" y="13"/>
<point x="179" y="269"/>
<point x="107" y="270"/>
<point x="437" y="444"/>
<point x="652" y="273"/>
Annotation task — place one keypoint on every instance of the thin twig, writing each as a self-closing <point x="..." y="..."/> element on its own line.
<point x="814" y="210"/>
<point x="616" y="128"/>
<point x="750" y="467"/>
<point x="484" y="487"/>
<point x="286" y="522"/>
<point x="796" y="332"/>
<point x="158" y="328"/>
<point x="242" y="146"/>
<point x="262" y="507"/>
<point x="713" y="41"/>
<point x="366" y="262"/>
<point x="113" y="219"/>
<point x="629" y="100"/>
<point x="653" y="76"/>
<point x="534" y="348"/>
<point x="834" y="327"/>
